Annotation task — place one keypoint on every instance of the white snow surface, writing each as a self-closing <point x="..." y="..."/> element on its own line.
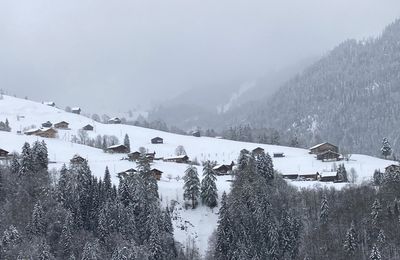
<point x="195" y="224"/>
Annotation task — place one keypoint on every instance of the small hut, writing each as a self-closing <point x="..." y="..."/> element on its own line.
<point x="157" y="140"/>
<point x="118" y="148"/>
<point x="88" y="127"/>
<point x="177" y="159"/>
<point x="47" y="124"/>
<point x="156" y="173"/>
<point x="61" y="125"/>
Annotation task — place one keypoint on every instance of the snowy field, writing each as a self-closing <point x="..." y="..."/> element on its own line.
<point x="197" y="224"/>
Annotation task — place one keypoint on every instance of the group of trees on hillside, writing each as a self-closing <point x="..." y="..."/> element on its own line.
<point x="206" y="190"/>
<point x="264" y="217"/>
<point x="73" y="215"/>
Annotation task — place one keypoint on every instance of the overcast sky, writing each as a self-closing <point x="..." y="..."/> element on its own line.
<point x="112" y="55"/>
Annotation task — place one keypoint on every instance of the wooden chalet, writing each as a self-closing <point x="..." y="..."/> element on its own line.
<point x="3" y="153"/>
<point x="324" y="147"/>
<point x="290" y="176"/>
<point x="76" y="110"/>
<point x="50" y="104"/>
<point x="47" y="124"/>
<point x="157" y="140"/>
<point x="328" y="176"/>
<point x="328" y="156"/>
<point x="61" y="125"/>
<point x="196" y="133"/>
<point x="47" y="133"/>
<point x="309" y="176"/>
<point x="88" y="127"/>
<point x="134" y="156"/>
<point x="114" y="120"/>
<point x="223" y="169"/>
<point x="77" y="159"/>
<point x="258" y="151"/>
<point x="278" y="155"/>
<point x="126" y="173"/>
<point x="151" y="156"/>
<point x="177" y="159"/>
<point x="392" y="168"/>
<point x="118" y="148"/>
<point x="156" y="173"/>
<point x="32" y="131"/>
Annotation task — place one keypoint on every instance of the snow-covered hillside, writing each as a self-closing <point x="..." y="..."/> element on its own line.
<point x="198" y="224"/>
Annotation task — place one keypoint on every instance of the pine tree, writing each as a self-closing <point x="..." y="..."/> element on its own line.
<point x="381" y="238"/>
<point x="127" y="142"/>
<point x="191" y="186"/>
<point x="375" y="254"/>
<point x="265" y="166"/>
<point x="91" y="251"/>
<point x="209" y="194"/>
<point x="324" y="211"/>
<point x="375" y="213"/>
<point x="38" y="225"/>
<point x="224" y="231"/>
<point x="65" y="243"/>
<point x="350" y="242"/>
<point x="26" y="166"/>
<point x="107" y="185"/>
<point x="386" y="148"/>
<point x="342" y="173"/>
<point x="150" y="181"/>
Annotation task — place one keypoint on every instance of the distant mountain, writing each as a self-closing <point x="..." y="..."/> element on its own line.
<point x="349" y="97"/>
<point x="208" y="106"/>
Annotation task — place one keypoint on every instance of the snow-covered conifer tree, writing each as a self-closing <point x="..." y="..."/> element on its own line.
<point x="191" y="186"/>
<point x="386" y="148"/>
<point x="209" y="192"/>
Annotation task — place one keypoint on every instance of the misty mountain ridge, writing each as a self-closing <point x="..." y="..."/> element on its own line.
<point x="349" y="97"/>
<point x="208" y="107"/>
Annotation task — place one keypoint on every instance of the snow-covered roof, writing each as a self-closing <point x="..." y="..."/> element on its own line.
<point x="116" y="146"/>
<point x="176" y="157"/>
<point x="318" y="145"/>
<point x="32" y="130"/>
<point x="328" y="174"/>
<point x="75" y="108"/>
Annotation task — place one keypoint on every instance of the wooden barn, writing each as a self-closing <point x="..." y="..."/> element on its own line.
<point x="328" y="156"/>
<point x="76" y="110"/>
<point x="114" y="120"/>
<point x="32" y="131"/>
<point x="156" y="173"/>
<point x="328" y="176"/>
<point x="47" y="124"/>
<point x="324" y="147"/>
<point x="157" y="140"/>
<point x="196" y="133"/>
<point x="309" y="176"/>
<point x="88" y="127"/>
<point x="126" y="173"/>
<point x="50" y="104"/>
<point x="177" y="159"/>
<point x="3" y="153"/>
<point x="47" y="133"/>
<point x="118" y="148"/>
<point x="134" y="156"/>
<point x="223" y="169"/>
<point x="62" y="125"/>
<point x="151" y="156"/>
<point x="258" y="151"/>
<point x="278" y="155"/>
<point x="77" y="159"/>
<point x="290" y="176"/>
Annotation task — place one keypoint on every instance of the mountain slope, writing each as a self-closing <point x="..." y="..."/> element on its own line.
<point x="197" y="224"/>
<point x="349" y="97"/>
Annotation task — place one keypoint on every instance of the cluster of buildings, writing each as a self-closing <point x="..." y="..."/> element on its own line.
<point x="49" y="130"/>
